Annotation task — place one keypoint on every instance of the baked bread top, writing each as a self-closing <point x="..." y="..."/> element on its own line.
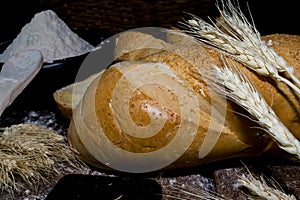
<point x="154" y="102"/>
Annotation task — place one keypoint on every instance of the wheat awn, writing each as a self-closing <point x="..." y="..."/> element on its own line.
<point x="234" y="36"/>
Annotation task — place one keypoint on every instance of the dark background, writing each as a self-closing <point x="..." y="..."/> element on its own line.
<point x="116" y="16"/>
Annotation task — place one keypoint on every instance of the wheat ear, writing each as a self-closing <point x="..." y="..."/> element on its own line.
<point x="237" y="38"/>
<point x="30" y="155"/>
<point x="237" y="88"/>
<point x="269" y="189"/>
<point x="259" y="187"/>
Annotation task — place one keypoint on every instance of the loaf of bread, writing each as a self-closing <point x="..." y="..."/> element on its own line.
<point x="278" y="95"/>
<point x="68" y="97"/>
<point x="153" y="110"/>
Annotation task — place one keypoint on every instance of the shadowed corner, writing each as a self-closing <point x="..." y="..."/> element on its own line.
<point x="81" y="187"/>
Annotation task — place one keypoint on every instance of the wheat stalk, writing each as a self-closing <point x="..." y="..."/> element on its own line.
<point x="235" y="86"/>
<point x="30" y="154"/>
<point x="237" y="38"/>
<point x="188" y="192"/>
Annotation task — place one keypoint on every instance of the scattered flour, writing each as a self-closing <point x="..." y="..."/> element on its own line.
<point x="49" y="34"/>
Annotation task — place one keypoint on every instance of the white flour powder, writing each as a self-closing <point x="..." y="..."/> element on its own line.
<point x="49" y="34"/>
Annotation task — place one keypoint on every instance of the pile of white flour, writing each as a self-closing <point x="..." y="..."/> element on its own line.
<point x="49" y="34"/>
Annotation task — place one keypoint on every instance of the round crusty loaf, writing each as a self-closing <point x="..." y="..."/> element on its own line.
<point x="157" y="112"/>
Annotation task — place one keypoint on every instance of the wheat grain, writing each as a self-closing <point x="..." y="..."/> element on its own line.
<point x="242" y="92"/>
<point x="239" y="39"/>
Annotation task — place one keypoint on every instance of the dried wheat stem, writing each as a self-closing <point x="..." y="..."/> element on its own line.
<point x="243" y="93"/>
<point x="237" y="38"/>
<point x="187" y="192"/>
<point x="261" y="188"/>
<point x="29" y="154"/>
